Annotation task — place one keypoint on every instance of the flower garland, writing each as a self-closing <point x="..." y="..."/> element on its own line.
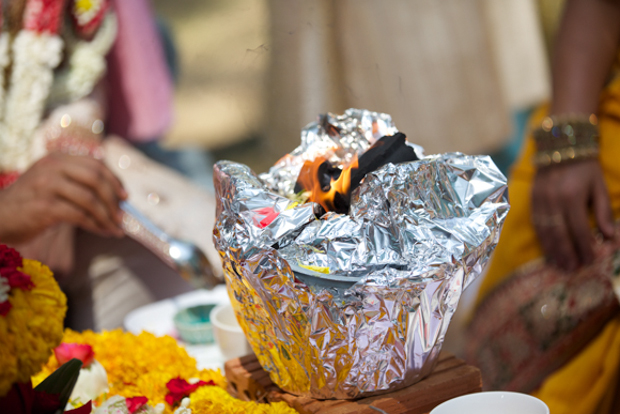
<point x="87" y="12"/>
<point x="87" y="64"/>
<point x="36" y="51"/>
<point x="32" y="310"/>
<point x="35" y="55"/>
<point x="4" y="62"/>
<point x="137" y="365"/>
<point x="156" y="370"/>
<point x="212" y="400"/>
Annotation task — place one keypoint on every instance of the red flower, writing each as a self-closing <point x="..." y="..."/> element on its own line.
<point x="135" y="403"/>
<point x="5" y="307"/>
<point x="6" y="179"/>
<point x="44" y="402"/>
<point x="19" y="399"/>
<point x="10" y="260"/>
<point x="43" y="16"/>
<point x="17" y="279"/>
<point x="178" y="389"/>
<point x="22" y="399"/>
<point x="66" y="352"/>
<point x="9" y="257"/>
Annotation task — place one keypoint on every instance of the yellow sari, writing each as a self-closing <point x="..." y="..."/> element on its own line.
<point x="586" y="384"/>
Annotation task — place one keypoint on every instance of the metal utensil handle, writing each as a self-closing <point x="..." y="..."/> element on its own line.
<point x="137" y="226"/>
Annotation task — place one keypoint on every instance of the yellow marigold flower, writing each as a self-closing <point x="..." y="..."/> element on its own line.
<point x="33" y="326"/>
<point x="215" y="400"/>
<point x="8" y="357"/>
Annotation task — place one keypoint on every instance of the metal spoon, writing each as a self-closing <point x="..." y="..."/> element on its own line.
<point x="183" y="256"/>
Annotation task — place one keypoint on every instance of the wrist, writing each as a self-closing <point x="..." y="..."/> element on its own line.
<point x="75" y="129"/>
<point x="7" y="235"/>
<point x="566" y="138"/>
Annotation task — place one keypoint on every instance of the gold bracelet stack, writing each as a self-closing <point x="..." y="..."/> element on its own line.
<point x="562" y="139"/>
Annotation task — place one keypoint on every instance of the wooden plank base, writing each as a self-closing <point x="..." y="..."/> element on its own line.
<point x="451" y="378"/>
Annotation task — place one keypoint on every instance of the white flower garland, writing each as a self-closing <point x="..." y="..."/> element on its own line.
<point x="87" y="64"/>
<point x="32" y="84"/>
<point x="34" y="58"/>
<point x="4" y="62"/>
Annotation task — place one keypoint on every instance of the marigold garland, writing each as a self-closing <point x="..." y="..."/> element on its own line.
<point x="137" y="365"/>
<point x="32" y="327"/>
<point x="142" y="365"/>
<point x="215" y="400"/>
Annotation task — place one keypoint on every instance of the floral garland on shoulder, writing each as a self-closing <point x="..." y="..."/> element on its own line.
<point x="32" y="310"/>
<point x="33" y="56"/>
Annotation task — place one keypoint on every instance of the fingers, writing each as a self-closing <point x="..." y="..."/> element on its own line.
<point x="602" y="209"/>
<point x="558" y="240"/>
<point x="99" y="180"/>
<point x="561" y="200"/>
<point x="62" y="188"/>
<point x="551" y="224"/>
<point x="68" y="212"/>
<point x="97" y="176"/>
<point x="539" y="213"/>
<point x="85" y="199"/>
<point x="92" y="188"/>
<point x="579" y="227"/>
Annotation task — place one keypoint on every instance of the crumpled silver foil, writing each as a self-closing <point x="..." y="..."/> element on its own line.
<point x="392" y="271"/>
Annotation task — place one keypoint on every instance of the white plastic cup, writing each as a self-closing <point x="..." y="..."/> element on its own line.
<point x="228" y="334"/>
<point x="493" y="402"/>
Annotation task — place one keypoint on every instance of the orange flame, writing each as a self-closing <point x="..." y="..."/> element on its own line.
<point x="309" y="180"/>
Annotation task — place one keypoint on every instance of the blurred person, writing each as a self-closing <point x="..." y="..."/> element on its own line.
<point x="61" y="85"/>
<point x="565" y="181"/>
<point x="449" y="73"/>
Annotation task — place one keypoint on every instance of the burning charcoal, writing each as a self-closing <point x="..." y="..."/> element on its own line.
<point x="331" y="186"/>
<point x="327" y="174"/>
<point x="388" y="149"/>
<point x="319" y="211"/>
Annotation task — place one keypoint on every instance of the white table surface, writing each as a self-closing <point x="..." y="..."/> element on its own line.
<point x="157" y="319"/>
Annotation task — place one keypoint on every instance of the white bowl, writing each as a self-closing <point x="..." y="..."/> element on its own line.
<point x="493" y="402"/>
<point x="228" y="334"/>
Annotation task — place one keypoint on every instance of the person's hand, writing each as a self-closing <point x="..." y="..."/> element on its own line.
<point x="562" y="198"/>
<point x="61" y="188"/>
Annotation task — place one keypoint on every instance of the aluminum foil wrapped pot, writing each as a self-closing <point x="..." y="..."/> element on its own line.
<point x="348" y="305"/>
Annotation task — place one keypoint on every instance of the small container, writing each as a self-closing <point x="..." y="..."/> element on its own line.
<point x="228" y="334"/>
<point x="194" y="324"/>
<point x="493" y="402"/>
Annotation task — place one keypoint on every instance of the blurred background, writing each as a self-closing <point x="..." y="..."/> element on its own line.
<point x="456" y="75"/>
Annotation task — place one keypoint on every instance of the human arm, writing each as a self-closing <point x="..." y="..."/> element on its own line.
<point x="61" y="188"/>
<point x="563" y="194"/>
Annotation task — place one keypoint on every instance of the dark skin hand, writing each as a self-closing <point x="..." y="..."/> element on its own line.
<point x="61" y="188"/>
<point x="564" y="196"/>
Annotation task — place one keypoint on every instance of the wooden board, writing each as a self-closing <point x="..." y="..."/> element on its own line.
<point x="451" y="378"/>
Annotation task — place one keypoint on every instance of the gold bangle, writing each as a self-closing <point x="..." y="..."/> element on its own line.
<point x="566" y="138"/>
